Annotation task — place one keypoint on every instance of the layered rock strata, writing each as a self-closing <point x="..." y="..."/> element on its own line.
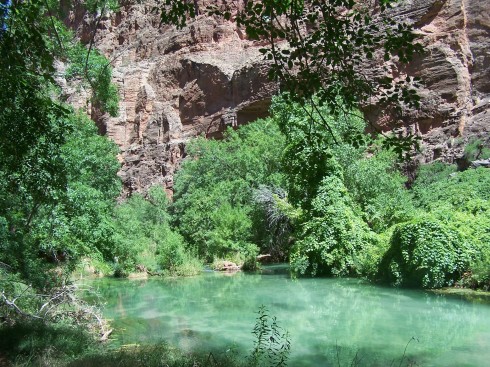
<point x="455" y="71"/>
<point x="178" y="84"/>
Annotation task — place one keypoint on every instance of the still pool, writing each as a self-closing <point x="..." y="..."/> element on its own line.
<point x="329" y="320"/>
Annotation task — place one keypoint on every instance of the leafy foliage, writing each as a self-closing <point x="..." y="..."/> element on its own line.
<point x="477" y="149"/>
<point x="278" y="218"/>
<point x="334" y="236"/>
<point x="426" y="253"/>
<point x="460" y="200"/>
<point x="79" y="222"/>
<point x="101" y="5"/>
<point x="31" y="167"/>
<point x="76" y="221"/>
<point x="95" y="72"/>
<point x="272" y="344"/>
<point x="377" y="186"/>
<point x="32" y="123"/>
<point x="58" y="178"/>
<point x="213" y="201"/>
<point x="309" y="152"/>
<point x="143" y="237"/>
<point x="457" y="190"/>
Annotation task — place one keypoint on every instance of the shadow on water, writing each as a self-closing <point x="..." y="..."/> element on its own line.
<point x="275" y="269"/>
<point x="326" y="318"/>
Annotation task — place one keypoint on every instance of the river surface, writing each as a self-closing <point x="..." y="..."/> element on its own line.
<point x="329" y="320"/>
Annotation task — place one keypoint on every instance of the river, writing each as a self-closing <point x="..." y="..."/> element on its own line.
<point x="329" y="320"/>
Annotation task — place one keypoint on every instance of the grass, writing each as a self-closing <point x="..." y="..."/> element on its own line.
<point x="36" y="344"/>
<point x="151" y="356"/>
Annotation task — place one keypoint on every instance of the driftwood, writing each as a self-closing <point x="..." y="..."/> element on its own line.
<point x="59" y="303"/>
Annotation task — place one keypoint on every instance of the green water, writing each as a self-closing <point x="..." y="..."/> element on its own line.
<point x="328" y="319"/>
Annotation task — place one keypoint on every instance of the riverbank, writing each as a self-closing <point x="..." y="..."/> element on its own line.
<point x="472" y="295"/>
<point x="39" y="345"/>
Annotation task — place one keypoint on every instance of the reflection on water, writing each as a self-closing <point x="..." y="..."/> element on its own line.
<point x="325" y="317"/>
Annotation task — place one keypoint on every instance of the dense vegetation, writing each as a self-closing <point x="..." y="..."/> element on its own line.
<point x="327" y="198"/>
<point x="340" y="208"/>
<point x="58" y="177"/>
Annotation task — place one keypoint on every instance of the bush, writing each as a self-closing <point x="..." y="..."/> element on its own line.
<point x="96" y="73"/>
<point x="278" y="218"/>
<point x="143" y="236"/>
<point x="214" y="205"/>
<point x="38" y="344"/>
<point x="478" y="276"/>
<point x="378" y="188"/>
<point x="173" y="258"/>
<point x="461" y="201"/>
<point x="447" y="189"/>
<point x="334" y="238"/>
<point x="426" y="253"/>
<point x="477" y="149"/>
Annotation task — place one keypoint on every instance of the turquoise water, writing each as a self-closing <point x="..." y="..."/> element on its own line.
<point x="328" y="319"/>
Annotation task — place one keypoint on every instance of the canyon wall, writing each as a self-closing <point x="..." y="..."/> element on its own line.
<point x="177" y="84"/>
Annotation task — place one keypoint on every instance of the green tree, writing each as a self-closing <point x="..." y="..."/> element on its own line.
<point x="214" y="189"/>
<point x="34" y="126"/>
<point x="75" y="221"/>
<point x="143" y="236"/>
<point x="333" y="237"/>
<point x="57" y="177"/>
<point x="95" y="72"/>
<point x="378" y="187"/>
<point x="306" y="159"/>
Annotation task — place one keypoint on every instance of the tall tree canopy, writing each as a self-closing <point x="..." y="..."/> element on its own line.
<point x="57" y="176"/>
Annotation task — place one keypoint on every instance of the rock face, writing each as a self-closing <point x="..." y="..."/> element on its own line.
<point x="175" y="85"/>
<point x="455" y="70"/>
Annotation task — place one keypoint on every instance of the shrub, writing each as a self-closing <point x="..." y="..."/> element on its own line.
<point x="477" y="149"/>
<point x="214" y="205"/>
<point x="96" y="73"/>
<point x="143" y="236"/>
<point x="278" y="217"/>
<point x="454" y="189"/>
<point x="478" y="276"/>
<point x="173" y="258"/>
<point x="272" y="343"/>
<point x="378" y="188"/>
<point x="333" y="239"/>
<point x="426" y="253"/>
<point x="433" y="172"/>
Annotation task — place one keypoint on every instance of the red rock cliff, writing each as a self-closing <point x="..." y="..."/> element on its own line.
<point x="175" y="85"/>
